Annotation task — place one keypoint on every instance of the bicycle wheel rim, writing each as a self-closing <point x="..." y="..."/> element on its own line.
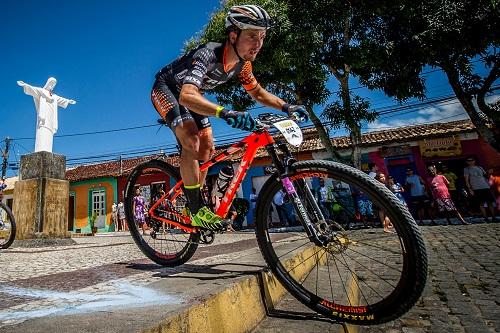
<point x="163" y="243"/>
<point x="7" y="227"/>
<point x="404" y="276"/>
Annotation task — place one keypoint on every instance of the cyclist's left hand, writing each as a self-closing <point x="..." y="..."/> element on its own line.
<point x="296" y="111"/>
<point x="238" y="119"/>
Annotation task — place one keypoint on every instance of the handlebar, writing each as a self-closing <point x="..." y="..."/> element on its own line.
<point x="266" y="120"/>
<point x="263" y="120"/>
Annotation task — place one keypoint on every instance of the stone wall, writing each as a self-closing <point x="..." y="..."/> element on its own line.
<point x="41" y="208"/>
<point x="41" y="197"/>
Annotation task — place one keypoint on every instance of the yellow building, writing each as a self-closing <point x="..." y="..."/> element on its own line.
<point x="88" y="198"/>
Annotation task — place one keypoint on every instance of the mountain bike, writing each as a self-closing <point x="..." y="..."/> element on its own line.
<point x="7" y="226"/>
<point x="364" y="276"/>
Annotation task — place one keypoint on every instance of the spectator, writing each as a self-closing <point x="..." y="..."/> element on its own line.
<point x="114" y="216"/>
<point x="479" y="188"/>
<point x="231" y="215"/>
<point x="373" y="170"/>
<point x="364" y="208"/>
<point x="418" y="194"/>
<point x="121" y="216"/>
<point x="241" y="206"/>
<point x="397" y="189"/>
<point x="322" y="197"/>
<point x="384" y="219"/>
<point x="139" y="208"/>
<point x="494" y="181"/>
<point x="281" y="202"/>
<point x="452" y="186"/>
<point x="253" y="202"/>
<point x="441" y="195"/>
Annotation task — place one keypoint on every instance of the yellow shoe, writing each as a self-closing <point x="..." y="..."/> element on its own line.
<point x="205" y="218"/>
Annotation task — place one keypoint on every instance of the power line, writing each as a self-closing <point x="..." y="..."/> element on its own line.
<point x="96" y="132"/>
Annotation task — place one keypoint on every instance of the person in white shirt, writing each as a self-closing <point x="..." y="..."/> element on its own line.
<point x="479" y="188"/>
<point x="373" y="170"/>
<point x="284" y="212"/>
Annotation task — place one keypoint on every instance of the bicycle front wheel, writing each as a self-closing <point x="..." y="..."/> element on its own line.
<point x="362" y="261"/>
<point x="162" y="242"/>
<point x="7" y="226"/>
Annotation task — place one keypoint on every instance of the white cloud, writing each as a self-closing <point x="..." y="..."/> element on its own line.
<point x="442" y="112"/>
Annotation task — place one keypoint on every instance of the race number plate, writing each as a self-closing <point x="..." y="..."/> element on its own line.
<point x="291" y="131"/>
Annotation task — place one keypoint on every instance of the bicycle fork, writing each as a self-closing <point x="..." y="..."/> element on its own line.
<point x="309" y="225"/>
<point x="283" y="166"/>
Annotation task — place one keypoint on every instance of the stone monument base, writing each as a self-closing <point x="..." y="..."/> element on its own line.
<point x="40" y="200"/>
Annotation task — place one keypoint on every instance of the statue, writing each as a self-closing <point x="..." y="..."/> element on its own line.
<point x="46" y="103"/>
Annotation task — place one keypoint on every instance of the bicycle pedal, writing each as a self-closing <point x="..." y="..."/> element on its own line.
<point x="207" y="236"/>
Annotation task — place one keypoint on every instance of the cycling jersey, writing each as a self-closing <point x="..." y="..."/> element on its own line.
<point x="204" y="67"/>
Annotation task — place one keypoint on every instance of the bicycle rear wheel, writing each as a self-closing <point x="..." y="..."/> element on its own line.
<point x="163" y="243"/>
<point x="7" y="226"/>
<point x="355" y="274"/>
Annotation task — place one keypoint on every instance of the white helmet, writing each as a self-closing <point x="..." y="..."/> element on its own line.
<point x="248" y="17"/>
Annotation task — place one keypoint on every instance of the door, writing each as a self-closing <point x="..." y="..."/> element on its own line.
<point x="99" y="207"/>
<point x="71" y="213"/>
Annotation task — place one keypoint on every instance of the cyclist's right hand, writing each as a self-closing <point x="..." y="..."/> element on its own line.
<point x="238" y="119"/>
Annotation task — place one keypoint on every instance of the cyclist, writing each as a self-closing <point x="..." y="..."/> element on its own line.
<point x="177" y="95"/>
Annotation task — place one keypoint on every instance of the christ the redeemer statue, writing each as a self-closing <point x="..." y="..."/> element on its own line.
<point x="46" y="103"/>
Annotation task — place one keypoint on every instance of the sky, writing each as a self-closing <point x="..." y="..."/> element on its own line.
<point x="104" y="55"/>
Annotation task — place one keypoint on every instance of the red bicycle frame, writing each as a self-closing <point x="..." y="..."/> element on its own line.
<point x="251" y="144"/>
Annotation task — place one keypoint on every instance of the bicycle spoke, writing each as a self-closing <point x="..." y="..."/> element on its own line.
<point x="376" y="260"/>
<point x="379" y="247"/>
<point x="372" y="271"/>
<point x="354" y="274"/>
<point x="292" y="250"/>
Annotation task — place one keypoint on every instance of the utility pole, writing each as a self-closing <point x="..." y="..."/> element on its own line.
<point x="5" y="156"/>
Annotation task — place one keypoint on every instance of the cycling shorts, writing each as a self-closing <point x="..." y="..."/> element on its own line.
<point x="166" y="104"/>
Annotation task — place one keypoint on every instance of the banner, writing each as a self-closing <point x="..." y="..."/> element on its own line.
<point x="395" y="151"/>
<point x="442" y="147"/>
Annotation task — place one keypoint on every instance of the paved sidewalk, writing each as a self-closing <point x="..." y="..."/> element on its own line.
<point x="105" y="284"/>
<point x="462" y="292"/>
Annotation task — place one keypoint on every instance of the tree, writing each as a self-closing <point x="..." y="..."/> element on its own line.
<point x="283" y="66"/>
<point x="476" y="24"/>
<point x="342" y="31"/>
<point x="458" y="37"/>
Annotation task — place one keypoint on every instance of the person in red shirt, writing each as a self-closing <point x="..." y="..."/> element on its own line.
<point x="441" y="195"/>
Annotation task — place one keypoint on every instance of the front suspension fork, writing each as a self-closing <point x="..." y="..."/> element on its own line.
<point x="297" y="201"/>
<point x="284" y="165"/>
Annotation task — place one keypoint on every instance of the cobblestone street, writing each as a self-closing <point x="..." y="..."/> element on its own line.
<point x="463" y="287"/>
<point x="462" y="292"/>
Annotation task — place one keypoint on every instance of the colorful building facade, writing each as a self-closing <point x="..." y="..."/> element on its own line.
<point x="94" y="188"/>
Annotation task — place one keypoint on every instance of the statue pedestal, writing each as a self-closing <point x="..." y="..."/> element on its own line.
<point x="41" y="197"/>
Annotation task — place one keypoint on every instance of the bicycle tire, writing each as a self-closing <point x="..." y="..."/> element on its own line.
<point x="6" y="213"/>
<point x="407" y="285"/>
<point x="163" y="251"/>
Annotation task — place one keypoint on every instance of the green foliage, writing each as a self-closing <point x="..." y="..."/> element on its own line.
<point x="359" y="111"/>
<point x="282" y="66"/>
<point x="385" y="44"/>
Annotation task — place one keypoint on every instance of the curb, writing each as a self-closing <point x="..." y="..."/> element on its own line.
<point x="238" y="308"/>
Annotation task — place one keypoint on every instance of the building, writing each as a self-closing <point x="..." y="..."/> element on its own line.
<point x="94" y="188"/>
